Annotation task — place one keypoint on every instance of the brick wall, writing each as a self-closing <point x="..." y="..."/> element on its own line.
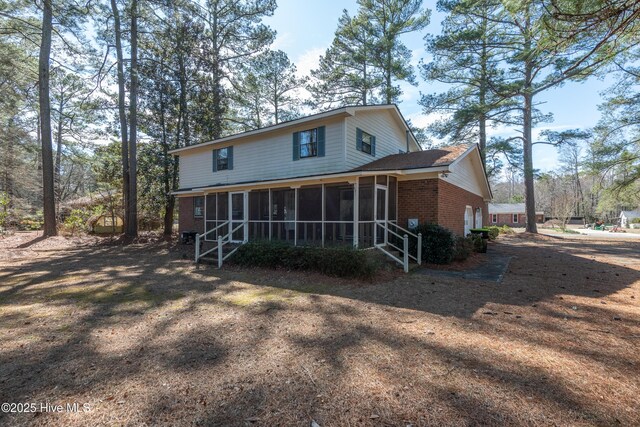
<point x="418" y="199"/>
<point x="452" y="202"/>
<point x="186" y="221"/>
<point x="507" y="219"/>
<point x="437" y="201"/>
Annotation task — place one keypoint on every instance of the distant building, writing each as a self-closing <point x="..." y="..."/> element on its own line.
<point x="511" y="214"/>
<point x="627" y="216"/>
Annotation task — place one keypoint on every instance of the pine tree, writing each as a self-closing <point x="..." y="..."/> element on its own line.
<point x="388" y="21"/>
<point x="346" y="74"/>
<point x="466" y="58"/>
<point x="234" y="32"/>
<point x="265" y="93"/>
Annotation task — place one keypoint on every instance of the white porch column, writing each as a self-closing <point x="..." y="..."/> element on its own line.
<point x="356" y="213"/>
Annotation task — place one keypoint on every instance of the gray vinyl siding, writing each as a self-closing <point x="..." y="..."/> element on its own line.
<point x="264" y="157"/>
<point x="390" y="136"/>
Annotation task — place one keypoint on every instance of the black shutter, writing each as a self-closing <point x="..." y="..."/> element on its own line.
<point x="296" y="146"/>
<point x="321" y="141"/>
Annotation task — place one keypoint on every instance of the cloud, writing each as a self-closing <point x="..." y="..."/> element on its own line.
<point x="283" y="41"/>
<point x="309" y="60"/>
<point x="424" y="120"/>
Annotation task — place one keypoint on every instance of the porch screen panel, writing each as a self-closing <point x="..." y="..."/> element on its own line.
<point x="211" y="207"/>
<point x="223" y="213"/>
<point x="283" y="214"/>
<point x="338" y="214"/>
<point x="393" y="199"/>
<point x="365" y="214"/>
<point x="310" y="215"/>
<point x="211" y="217"/>
<point x="259" y="215"/>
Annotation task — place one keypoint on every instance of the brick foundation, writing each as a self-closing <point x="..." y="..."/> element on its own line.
<point x="440" y="202"/>
<point x="186" y="221"/>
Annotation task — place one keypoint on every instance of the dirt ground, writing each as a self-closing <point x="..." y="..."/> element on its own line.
<point x="143" y="337"/>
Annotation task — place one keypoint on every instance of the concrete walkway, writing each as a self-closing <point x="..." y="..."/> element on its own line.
<point x="607" y="234"/>
<point x="492" y="270"/>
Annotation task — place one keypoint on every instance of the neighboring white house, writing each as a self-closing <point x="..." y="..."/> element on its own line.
<point x="627" y="216"/>
<point x="353" y="175"/>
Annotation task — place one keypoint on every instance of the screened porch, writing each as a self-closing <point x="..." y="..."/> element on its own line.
<point x="322" y="214"/>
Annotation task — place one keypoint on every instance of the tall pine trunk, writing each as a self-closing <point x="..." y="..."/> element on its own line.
<point x="132" y="219"/>
<point x="482" y="122"/>
<point x="124" y="132"/>
<point x="48" y="191"/>
<point x="57" y="170"/>
<point x="529" y="194"/>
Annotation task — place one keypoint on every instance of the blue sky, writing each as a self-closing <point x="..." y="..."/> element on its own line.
<point x="305" y="30"/>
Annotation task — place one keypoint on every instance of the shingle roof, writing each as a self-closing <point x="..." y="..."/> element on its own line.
<point x="506" y="208"/>
<point x="631" y="214"/>
<point x="442" y="156"/>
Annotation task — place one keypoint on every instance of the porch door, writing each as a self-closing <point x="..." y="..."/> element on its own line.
<point x="468" y="219"/>
<point x="382" y="214"/>
<point x="238" y="212"/>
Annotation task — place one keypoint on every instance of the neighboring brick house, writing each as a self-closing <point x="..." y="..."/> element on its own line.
<point x="511" y="214"/>
<point x="354" y="175"/>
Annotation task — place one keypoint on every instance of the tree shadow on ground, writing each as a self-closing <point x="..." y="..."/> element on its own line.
<point x="572" y="268"/>
<point x="147" y="338"/>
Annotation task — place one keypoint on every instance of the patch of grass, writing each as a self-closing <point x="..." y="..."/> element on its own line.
<point x="566" y="230"/>
<point x="250" y="296"/>
<point x="110" y="295"/>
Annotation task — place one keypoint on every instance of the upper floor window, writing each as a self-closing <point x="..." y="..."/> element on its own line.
<point x="308" y="143"/>
<point x="198" y="207"/>
<point x="365" y="142"/>
<point x="223" y="159"/>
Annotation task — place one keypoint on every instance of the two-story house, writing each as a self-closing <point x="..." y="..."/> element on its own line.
<point x="339" y="177"/>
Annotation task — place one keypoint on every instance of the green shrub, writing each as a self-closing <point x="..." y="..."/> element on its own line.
<point x="463" y="248"/>
<point x="341" y="261"/>
<point x="494" y="231"/>
<point x="635" y="221"/>
<point x="438" y="243"/>
<point x="75" y="221"/>
<point x="505" y="229"/>
<point x="4" y="209"/>
<point x="478" y="243"/>
<point x="32" y="222"/>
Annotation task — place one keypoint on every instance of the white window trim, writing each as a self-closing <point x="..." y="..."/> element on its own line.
<point x="494" y="218"/>
<point x="515" y="218"/>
